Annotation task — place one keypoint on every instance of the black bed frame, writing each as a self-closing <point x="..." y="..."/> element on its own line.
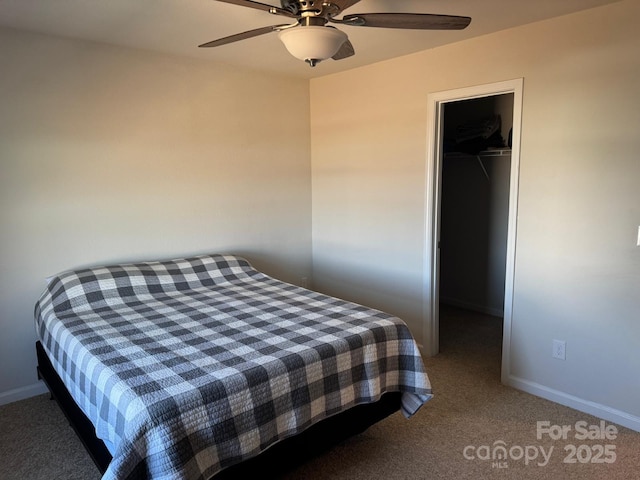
<point x="279" y="458"/>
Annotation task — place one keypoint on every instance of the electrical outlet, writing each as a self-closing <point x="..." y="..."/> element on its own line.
<point x="559" y="349"/>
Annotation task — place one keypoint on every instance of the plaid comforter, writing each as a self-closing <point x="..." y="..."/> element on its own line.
<point x="188" y="366"/>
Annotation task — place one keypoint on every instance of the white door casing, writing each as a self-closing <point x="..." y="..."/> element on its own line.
<point x="435" y="112"/>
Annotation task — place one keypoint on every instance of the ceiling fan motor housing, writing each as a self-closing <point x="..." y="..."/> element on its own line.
<point x="302" y="6"/>
<point x="312" y="9"/>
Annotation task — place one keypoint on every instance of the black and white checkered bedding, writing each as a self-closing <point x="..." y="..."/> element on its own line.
<point x="188" y="366"/>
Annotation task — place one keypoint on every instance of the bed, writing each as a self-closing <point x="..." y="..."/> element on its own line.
<point x="204" y="366"/>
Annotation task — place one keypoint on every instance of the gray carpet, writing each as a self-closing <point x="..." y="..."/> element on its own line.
<point x="471" y="408"/>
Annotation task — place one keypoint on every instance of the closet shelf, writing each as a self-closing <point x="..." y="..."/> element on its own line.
<point x="494" y="152"/>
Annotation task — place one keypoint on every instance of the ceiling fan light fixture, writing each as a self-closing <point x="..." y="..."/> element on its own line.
<point x="312" y="43"/>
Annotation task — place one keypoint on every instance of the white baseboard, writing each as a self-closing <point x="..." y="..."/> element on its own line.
<point x="601" y="411"/>
<point x="21" y="393"/>
<point x="496" y="312"/>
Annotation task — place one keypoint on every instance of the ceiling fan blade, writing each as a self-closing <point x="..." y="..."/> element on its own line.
<point x="346" y="51"/>
<point x="242" y="36"/>
<point x="415" y="21"/>
<point x="261" y="6"/>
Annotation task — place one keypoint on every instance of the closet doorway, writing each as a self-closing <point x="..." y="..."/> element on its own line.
<point x="472" y="170"/>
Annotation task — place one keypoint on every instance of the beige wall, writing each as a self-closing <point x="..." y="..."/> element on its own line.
<point x="577" y="274"/>
<point x="111" y="155"/>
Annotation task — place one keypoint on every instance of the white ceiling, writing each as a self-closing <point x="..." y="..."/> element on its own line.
<point x="178" y="26"/>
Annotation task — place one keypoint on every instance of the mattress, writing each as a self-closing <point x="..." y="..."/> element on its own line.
<point x="188" y="366"/>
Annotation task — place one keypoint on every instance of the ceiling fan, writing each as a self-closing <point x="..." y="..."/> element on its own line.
<point x="310" y="39"/>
